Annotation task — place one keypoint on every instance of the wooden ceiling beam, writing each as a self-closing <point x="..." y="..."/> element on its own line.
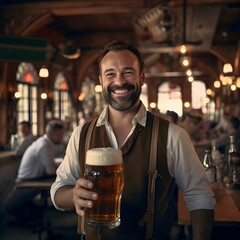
<point x="69" y="8"/>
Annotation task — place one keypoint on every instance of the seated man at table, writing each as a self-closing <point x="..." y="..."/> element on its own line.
<point x="37" y="163"/>
<point x="25" y="138"/>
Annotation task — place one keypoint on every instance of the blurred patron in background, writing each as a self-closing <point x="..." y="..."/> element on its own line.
<point x="37" y="163"/>
<point x="172" y="117"/>
<point x="191" y="122"/>
<point x="24" y="139"/>
<point x="222" y="126"/>
<point x="68" y="124"/>
<point x="222" y="140"/>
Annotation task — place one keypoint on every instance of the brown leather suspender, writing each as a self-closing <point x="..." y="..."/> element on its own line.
<point x="80" y="228"/>
<point x="148" y="218"/>
<point x="152" y="175"/>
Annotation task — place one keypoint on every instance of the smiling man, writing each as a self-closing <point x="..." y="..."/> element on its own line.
<point x="127" y="125"/>
<point x="121" y="80"/>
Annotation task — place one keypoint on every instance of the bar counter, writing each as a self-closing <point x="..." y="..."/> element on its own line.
<point x="5" y="155"/>
<point x="227" y="209"/>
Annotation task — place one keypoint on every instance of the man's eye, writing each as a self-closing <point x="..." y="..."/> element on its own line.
<point x="110" y="74"/>
<point x="128" y="73"/>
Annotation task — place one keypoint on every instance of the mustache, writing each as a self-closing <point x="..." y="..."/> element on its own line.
<point x="126" y="86"/>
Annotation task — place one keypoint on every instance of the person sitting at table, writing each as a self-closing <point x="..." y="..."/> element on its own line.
<point x="172" y="116"/>
<point x="25" y="138"/>
<point x="192" y="124"/>
<point x="222" y="126"/>
<point x="223" y="140"/>
<point x="36" y="163"/>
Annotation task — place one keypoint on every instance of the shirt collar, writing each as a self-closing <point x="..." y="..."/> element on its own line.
<point x="48" y="139"/>
<point x="140" y="117"/>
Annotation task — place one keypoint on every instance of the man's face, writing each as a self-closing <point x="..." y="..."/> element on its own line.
<point x="57" y="137"/>
<point x="23" y="129"/>
<point x="121" y="79"/>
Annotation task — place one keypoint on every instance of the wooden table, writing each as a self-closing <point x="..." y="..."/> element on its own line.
<point x="44" y="186"/>
<point x="227" y="209"/>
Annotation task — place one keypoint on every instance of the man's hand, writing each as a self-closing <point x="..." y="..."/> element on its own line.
<point x="82" y="196"/>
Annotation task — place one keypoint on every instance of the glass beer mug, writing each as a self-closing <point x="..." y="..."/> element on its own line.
<point x="104" y="168"/>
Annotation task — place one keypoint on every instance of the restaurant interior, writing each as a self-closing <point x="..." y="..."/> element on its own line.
<point x="49" y="70"/>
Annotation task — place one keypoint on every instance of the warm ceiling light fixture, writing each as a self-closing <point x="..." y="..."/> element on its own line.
<point x="189" y="72"/>
<point x="227" y="68"/>
<point x="217" y="84"/>
<point x="17" y="95"/>
<point x="185" y="61"/>
<point x="190" y="79"/>
<point x="183" y="49"/>
<point x="153" y="105"/>
<point x="223" y="79"/>
<point x="81" y="97"/>
<point x="73" y="56"/>
<point x="70" y="50"/>
<point x="209" y="91"/>
<point x="44" y="96"/>
<point x="187" y="105"/>
<point x="98" y="88"/>
<point x="233" y="88"/>
<point x="43" y="72"/>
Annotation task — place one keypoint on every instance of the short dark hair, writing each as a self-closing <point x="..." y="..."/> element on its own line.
<point x="119" y="46"/>
<point x="173" y="115"/>
<point x="25" y="123"/>
<point x="53" y="126"/>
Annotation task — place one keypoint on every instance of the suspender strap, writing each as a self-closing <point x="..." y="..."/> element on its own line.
<point x="80" y="228"/>
<point x="152" y="175"/>
<point x="89" y="134"/>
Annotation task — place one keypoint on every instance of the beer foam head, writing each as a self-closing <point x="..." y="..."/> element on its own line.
<point x="103" y="156"/>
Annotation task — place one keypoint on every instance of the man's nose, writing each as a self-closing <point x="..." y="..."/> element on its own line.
<point x="120" y="79"/>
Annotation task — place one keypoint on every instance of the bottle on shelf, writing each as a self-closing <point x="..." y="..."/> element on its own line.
<point x="217" y="161"/>
<point x="209" y="167"/>
<point x="231" y="149"/>
<point x="235" y="164"/>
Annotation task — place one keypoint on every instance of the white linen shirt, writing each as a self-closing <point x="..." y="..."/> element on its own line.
<point x="24" y="143"/>
<point x="38" y="160"/>
<point x="183" y="162"/>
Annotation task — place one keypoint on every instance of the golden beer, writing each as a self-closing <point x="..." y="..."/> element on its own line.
<point x="104" y="168"/>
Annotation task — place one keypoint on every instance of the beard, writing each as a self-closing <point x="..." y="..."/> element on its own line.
<point x="122" y="103"/>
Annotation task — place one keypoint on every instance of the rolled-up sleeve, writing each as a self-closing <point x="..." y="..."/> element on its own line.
<point x="185" y="165"/>
<point x="69" y="170"/>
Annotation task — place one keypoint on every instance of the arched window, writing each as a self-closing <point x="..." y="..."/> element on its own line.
<point x="170" y="98"/>
<point x="89" y="100"/>
<point x="27" y="85"/>
<point x="199" y="95"/>
<point x="62" y="103"/>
